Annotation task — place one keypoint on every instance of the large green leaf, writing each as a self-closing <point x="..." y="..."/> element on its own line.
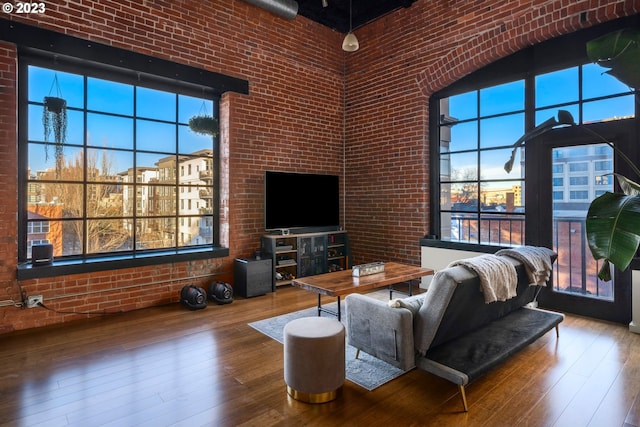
<point x="613" y="229"/>
<point x="629" y="187"/>
<point x="619" y="51"/>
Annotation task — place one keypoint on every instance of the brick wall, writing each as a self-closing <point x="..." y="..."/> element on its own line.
<point x="291" y="120"/>
<point x="403" y="59"/>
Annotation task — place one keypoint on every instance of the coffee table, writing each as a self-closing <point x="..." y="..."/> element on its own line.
<point x="340" y="283"/>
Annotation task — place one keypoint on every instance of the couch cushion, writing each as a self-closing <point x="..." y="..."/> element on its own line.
<point x="467" y="357"/>
<point x="435" y="303"/>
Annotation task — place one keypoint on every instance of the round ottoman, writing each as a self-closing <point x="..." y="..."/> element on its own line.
<point x="314" y="360"/>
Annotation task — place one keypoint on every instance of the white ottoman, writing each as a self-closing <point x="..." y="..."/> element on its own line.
<point x="314" y="360"/>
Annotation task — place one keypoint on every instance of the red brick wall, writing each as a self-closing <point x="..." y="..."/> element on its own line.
<point x="291" y="120"/>
<point x="9" y="187"/>
<point x="403" y="59"/>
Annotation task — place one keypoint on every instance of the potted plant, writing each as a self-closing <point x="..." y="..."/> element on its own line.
<point x="204" y="124"/>
<point x="613" y="219"/>
<point x="54" y="120"/>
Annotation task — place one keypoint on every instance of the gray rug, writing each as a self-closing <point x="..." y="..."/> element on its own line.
<point x="366" y="371"/>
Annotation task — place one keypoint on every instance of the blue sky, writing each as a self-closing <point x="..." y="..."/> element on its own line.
<point x="107" y="124"/>
<point x="554" y="91"/>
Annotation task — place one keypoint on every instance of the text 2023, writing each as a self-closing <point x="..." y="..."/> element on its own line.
<point x="30" y="7"/>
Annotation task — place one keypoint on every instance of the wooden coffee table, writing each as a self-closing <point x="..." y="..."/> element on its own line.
<point x="341" y="283"/>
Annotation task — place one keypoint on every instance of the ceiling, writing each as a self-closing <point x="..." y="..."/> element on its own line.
<point x="336" y="14"/>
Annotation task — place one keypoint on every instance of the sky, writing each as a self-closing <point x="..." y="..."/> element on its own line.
<point x="554" y="91"/>
<point x="107" y="123"/>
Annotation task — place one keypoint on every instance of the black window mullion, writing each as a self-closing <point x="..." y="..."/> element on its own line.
<point x="85" y="166"/>
<point x="176" y="239"/>
<point x="134" y="184"/>
<point x="478" y="165"/>
<point x="580" y="95"/>
<point x="176" y="215"/>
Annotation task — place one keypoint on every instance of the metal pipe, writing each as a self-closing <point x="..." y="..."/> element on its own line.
<point x="287" y="9"/>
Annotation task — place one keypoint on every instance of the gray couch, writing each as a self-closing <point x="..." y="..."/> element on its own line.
<point x="449" y="331"/>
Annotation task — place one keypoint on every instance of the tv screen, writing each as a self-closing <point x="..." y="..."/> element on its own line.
<point x="300" y="200"/>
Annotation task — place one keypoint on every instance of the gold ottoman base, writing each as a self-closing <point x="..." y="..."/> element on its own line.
<point x="325" y="397"/>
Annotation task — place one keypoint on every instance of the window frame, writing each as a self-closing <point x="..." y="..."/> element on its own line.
<point x="486" y="219"/>
<point x="191" y="85"/>
<point x="553" y="55"/>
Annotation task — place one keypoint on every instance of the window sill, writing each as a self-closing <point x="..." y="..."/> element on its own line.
<point x="471" y="247"/>
<point x="115" y="262"/>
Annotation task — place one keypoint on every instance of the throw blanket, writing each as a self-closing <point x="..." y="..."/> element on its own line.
<point x="498" y="277"/>
<point x="537" y="262"/>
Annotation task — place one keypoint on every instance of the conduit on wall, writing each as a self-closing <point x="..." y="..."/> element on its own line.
<point x="287" y="9"/>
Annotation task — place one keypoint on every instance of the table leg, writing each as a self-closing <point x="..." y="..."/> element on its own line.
<point x="410" y="292"/>
<point x="321" y="309"/>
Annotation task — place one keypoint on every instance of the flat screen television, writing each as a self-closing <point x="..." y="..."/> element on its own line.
<point x="301" y="201"/>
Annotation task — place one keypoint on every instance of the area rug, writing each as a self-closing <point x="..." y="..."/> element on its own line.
<point x="366" y="371"/>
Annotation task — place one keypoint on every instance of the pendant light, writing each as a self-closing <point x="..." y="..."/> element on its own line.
<point x="350" y="42"/>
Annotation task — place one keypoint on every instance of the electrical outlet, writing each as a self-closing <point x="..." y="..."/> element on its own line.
<point x="34" y="300"/>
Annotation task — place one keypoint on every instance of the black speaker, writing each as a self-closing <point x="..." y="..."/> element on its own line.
<point x="221" y="292"/>
<point x="42" y="254"/>
<point x="193" y="297"/>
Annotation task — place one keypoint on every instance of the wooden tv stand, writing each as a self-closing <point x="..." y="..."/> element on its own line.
<point x="305" y="254"/>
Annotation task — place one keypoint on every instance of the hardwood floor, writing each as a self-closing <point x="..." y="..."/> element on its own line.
<point x="170" y="366"/>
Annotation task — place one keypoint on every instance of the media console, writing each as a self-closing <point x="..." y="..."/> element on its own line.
<point x="305" y="254"/>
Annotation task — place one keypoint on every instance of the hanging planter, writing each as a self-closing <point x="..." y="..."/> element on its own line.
<point x="204" y="125"/>
<point x="54" y="120"/>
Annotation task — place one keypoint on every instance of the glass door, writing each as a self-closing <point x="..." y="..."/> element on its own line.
<point x="579" y="174"/>
<point x="575" y="167"/>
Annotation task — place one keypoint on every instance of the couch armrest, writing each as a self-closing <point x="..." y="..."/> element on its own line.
<point x="381" y="331"/>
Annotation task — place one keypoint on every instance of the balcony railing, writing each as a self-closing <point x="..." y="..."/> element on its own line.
<point x="205" y="211"/>
<point x="575" y="270"/>
<point x="206" y="194"/>
<point x="502" y="230"/>
<point x="206" y="174"/>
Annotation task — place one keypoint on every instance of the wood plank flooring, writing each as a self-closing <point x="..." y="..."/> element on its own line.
<point x="167" y="366"/>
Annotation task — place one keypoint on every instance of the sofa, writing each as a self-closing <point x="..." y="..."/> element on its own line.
<point x="451" y="330"/>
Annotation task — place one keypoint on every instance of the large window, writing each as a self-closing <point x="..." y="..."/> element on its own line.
<point x="480" y="203"/>
<point x="119" y="172"/>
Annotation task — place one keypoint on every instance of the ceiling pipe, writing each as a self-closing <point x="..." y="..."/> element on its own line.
<point x="287" y="9"/>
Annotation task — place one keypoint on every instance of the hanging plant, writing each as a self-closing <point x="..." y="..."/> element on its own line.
<point x="54" y="120"/>
<point x="204" y="125"/>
